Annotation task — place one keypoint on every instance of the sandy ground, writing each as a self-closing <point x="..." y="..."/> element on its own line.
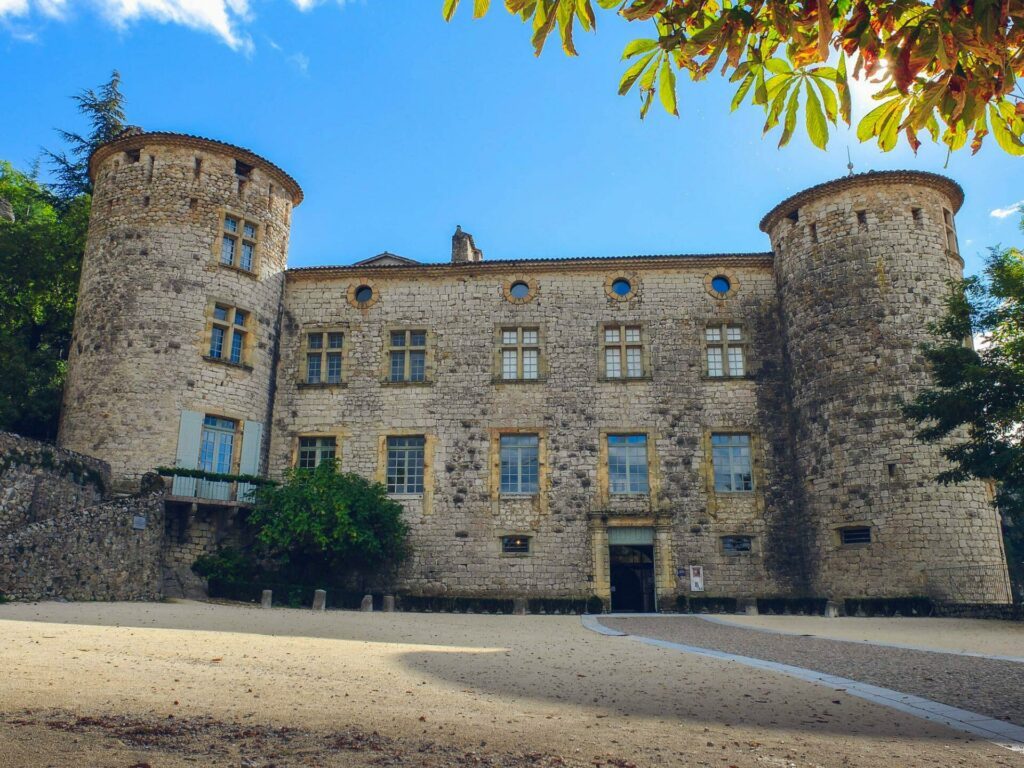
<point x="995" y="638"/>
<point x="175" y="684"/>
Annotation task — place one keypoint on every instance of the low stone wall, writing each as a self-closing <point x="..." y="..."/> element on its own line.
<point x="39" y="481"/>
<point x="110" y="551"/>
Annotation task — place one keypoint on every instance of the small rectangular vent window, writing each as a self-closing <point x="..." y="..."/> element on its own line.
<point x="859" y="535"/>
<point x="242" y="169"/>
<point x="515" y="545"/>
<point x="733" y="545"/>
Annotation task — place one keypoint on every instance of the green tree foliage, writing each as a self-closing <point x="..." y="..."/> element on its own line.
<point x="322" y="525"/>
<point x="978" y="392"/>
<point x="40" y="258"/>
<point x="947" y="68"/>
<point x="104" y="109"/>
<point x="40" y="255"/>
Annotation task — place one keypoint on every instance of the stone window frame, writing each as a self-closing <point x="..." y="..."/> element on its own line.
<point x="604" y="494"/>
<point x="734" y="553"/>
<point x="723" y="325"/>
<point x="734" y="283"/>
<point x="542" y="463"/>
<point x="428" y="357"/>
<point x="248" y="329"/>
<point x="531" y="283"/>
<point x="355" y="285"/>
<point x="498" y="369"/>
<point x="305" y="351"/>
<point x="753" y="498"/>
<point x="238" y="237"/>
<point x="337" y="434"/>
<point x="635" y="285"/>
<point x="530" y="543"/>
<point x="623" y="345"/>
<point x="429" y="451"/>
<point x="837" y="535"/>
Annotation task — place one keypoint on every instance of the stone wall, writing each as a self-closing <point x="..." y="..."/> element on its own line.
<point x="863" y="265"/>
<point x="39" y="481"/>
<point x="95" y="553"/>
<point x="150" y="276"/>
<point x="462" y="409"/>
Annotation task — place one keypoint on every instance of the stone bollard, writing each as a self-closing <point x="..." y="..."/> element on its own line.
<point x="367" y="605"/>
<point x="519" y="606"/>
<point x="389" y="604"/>
<point x="267" y="599"/>
<point x="748" y="605"/>
<point x="320" y="600"/>
<point x="831" y="609"/>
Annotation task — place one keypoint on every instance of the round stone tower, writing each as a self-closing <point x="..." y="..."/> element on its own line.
<point x="862" y="265"/>
<point x="178" y="308"/>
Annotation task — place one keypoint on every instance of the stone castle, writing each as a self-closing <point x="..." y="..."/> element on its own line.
<point x="636" y="428"/>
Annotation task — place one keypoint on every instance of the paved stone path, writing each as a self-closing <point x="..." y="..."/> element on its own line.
<point x="988" y="686"/>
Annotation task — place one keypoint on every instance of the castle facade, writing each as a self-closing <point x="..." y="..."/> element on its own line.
<point x="634" y="428"/>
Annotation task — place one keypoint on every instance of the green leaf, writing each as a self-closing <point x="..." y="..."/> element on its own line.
<point x="741" y="92"/>
<point x="843" y="89"/>
<point x="1005" y="138"/>
<point x="633" y="73"/>
<point x="638" y="46"/>
<point x="778" y="66"/>
<point x="480" y="8"/>
<point x="667" y="87"/>
<point x="817" y="128"/>
<point x="790" y="124"/>
<point x="448" y="9"/>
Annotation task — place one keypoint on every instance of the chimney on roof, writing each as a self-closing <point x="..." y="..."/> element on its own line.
<point x="464" y="250"/>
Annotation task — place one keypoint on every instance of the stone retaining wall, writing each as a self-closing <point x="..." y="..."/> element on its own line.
<point x="39" y="481"/>
<point x="110" y="551"/>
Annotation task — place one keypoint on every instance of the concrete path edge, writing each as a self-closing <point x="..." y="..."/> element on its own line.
<point x="1000" y="733"/>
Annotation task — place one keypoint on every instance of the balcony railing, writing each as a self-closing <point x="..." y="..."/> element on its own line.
<point x="212" y="487"/>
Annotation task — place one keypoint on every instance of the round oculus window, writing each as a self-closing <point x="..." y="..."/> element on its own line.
<point x="720" y="284"/>
<point x="622" y="287"/>
<point x="364" y="293"/>
<point x="519" y="290"/>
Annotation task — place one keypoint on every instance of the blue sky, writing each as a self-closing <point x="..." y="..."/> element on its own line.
<point x="399" y="126"/>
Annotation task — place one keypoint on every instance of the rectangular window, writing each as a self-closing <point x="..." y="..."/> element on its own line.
<point x="407" y="356"/>
<point x="737" y="545"/>
<point x="627" y="464"/>
<point x="217" y="445"/>
<point x="238" y="243"/>
<point x="324" y="356"/>
<point x="515" y="545"/>
<point x="405" y="464"/>
<point x="725" y="350"/>
<point x="314" y="451"/>
<point x="228" y="334"/>
<point x="623" y="352"/>
<point x="730" y="457"/>
<point x="857" y="535"/>
<point x="519" y="464"/>
<point x="951" y="243"/>
<point x="520" y="354"/>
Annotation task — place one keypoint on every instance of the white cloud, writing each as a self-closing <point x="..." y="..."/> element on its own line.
<point x="224" y="18"/>
<point x="1010" y="210"/>
<point x="300" y="61"/>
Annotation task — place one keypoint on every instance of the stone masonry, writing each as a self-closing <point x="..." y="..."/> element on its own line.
<point x="831" y="324"/>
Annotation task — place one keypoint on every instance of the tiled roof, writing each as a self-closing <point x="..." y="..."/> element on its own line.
<point x="136" y="137"/>
<point x="942" y="183"/>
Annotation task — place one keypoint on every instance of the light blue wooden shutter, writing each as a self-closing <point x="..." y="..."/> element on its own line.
<point x="249" y="464"/>
<point x="189" y="431"/>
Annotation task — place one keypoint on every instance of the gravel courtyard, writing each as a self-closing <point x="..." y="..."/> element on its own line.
<point x="186" y="684"/>
<point x="992" y="687"/>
